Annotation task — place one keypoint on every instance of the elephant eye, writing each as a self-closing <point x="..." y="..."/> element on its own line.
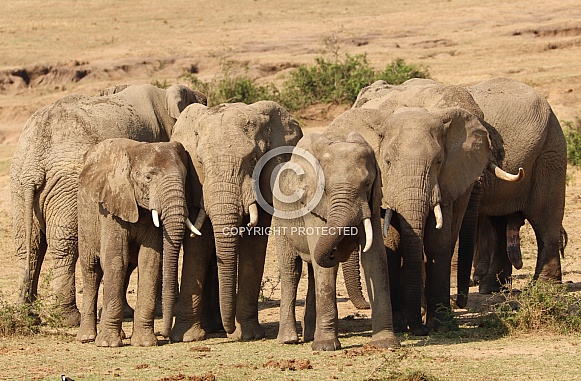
<point x="148" y="177"/>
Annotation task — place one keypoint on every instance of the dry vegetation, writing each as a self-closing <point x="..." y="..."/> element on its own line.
<point x="55" y="47"/>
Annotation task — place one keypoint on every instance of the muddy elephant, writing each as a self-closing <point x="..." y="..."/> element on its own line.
<point x="338" y="211"/>
<point x="225" y="144"/>
<point x="431" y="147"/>
<point x="527" y="134"/>
<point x="46" y="165"/>
<point x="131" y="206"/>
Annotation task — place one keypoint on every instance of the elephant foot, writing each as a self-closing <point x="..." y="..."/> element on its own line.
<point x="107" y="338"/>
<point x="420" y="330"/>
<point x="287" y="334"/>
<point x="487" y="288"/>
<point x="385" y="340"/>
<point x="71" y="316"/>
<point x="143" y="338"/>
<point x="186" y="332"/>
<point x="86" y="335"/>
<point x="326" y="345"/>
<point x="439" y="326"/>
<point x="247" y="331"/>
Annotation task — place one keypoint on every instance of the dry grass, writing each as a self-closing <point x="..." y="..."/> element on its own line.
<point x="461" y="41"/>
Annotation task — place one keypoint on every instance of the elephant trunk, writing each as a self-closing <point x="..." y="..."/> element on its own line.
<point x="223" y="201"/>
<point x="352" y="277"/>
<point x="174" y="214"/>
<point x="342" y="213"/>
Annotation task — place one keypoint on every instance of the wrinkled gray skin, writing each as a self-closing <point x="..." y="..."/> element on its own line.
<point x="224" y="144"/>
<point x="527" y="134"/>
<point x="352" y="193"/>
<point x="46" y="165"/>
<point x="121" y="183"/>
<point x="430" y="147"/>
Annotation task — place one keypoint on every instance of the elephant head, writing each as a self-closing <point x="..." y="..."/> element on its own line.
<point x="224" y="144"/>
<point x="352" y="190"/>
<point x="124" y="176"/>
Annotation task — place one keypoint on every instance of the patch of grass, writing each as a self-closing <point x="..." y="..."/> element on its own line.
<point x="336" y="80"/>
<point x="572" y="133"/>
<point x="542" y="305"/>
<point x="25" y="319"/>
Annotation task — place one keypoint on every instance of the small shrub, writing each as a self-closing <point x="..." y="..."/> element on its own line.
<point x="398" y="71"/>
<point x="572" y="133"/>
<point x="542" y="305"/>
<point x="161" y="84"/>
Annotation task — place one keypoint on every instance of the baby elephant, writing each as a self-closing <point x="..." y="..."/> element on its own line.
<point x="326" y="206"/>
<point x="131" y="201"/>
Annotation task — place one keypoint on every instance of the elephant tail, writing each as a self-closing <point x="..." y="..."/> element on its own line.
<point x="28" y="216"/>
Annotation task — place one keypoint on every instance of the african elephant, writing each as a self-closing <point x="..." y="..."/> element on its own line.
<point x="127" y="191"/>
<point x="225" y="143"/>
<point x="47" y="162"/>
<point x="526" y="134"/>
<point x="431" y="147"/>
<point x="338" y="210"/>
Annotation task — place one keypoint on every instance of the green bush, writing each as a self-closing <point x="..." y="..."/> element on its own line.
<point x="327" y="81"/>
<point x="572" y="133"/>
<point x="24" y="319"/>
<point x="542" y="305"/>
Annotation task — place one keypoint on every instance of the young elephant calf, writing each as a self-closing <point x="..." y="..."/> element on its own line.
<point x="131" y="201"/>
<point x="326" y="208"/>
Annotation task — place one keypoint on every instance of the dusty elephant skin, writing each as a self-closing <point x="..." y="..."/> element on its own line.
<point x="430" y="147"/>
<point x="224" y="144"/>
<point x="47" y="162"/>
<point x="527" y="134"/>
<point x="131" y="204"/>
<point x="350" y="203"/>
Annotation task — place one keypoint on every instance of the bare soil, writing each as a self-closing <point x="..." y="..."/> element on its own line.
<point x="52" y="48"/>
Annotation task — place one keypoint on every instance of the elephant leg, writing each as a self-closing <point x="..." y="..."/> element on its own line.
<point x="310" y="314"/>
<point x="500" y="270"/>
<point x="92" y="276"/>
<point x="438" y="248"/>
<point x="61" y="236"/>
<point x="290" y="267"/>
<point x="148" y="272"/>
<point x="211" y="317"/>
<point x="547" y="227"/>
<point x="197" y="254"/>
<point x="374" y="263"/>
<point x="250" y="270"/>
<point x="115" y="260"/>
<point x="326" y="331"/>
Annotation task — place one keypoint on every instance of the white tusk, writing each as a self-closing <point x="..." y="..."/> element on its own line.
<point x="368" y="234"/>
<point x="200" y="219"/>
<point x="387" y="220"/>
<point x="503" y="175"/>
<point x="253" y="211"/>
<point x="192" y="228"/>
<point x="155" y="217"/>
<point x="439" y="217"/>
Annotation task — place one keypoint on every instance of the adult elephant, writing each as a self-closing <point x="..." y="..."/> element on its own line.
<point x="46" y="166"/>
<point x="131" y="206"/>
<point x="340" y="181"/>
<point x="528" y="135"/>
<point x="431" y="147"/>
<point x="225" y="143"/>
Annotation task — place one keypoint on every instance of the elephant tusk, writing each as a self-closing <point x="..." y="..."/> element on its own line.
<point x="200" y="220"/>
<point x="155" y="217"/>
<point x="387" y="220"/>
<point x="253" y="211"/>
<point x="439" y="217"/>
<point x="503" y="175"/>
<point x="192" y="227"/>
<point x="368" y="234"/>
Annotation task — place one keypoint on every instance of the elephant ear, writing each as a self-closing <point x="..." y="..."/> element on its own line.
<point x="178" y="97"/>
<point x="278" y="129"/>
<point x="467" y="151"/>
<point x="106" y="178"/>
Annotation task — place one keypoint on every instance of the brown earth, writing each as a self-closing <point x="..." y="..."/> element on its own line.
<point x="56" y="47"/>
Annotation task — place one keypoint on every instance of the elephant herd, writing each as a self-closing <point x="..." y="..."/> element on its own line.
<point x="128" y="178"/>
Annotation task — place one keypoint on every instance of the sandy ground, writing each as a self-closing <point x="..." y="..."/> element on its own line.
<point x="63" y="47"/>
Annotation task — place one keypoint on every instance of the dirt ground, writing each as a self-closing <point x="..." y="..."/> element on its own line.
<point x="56" y="47"/>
